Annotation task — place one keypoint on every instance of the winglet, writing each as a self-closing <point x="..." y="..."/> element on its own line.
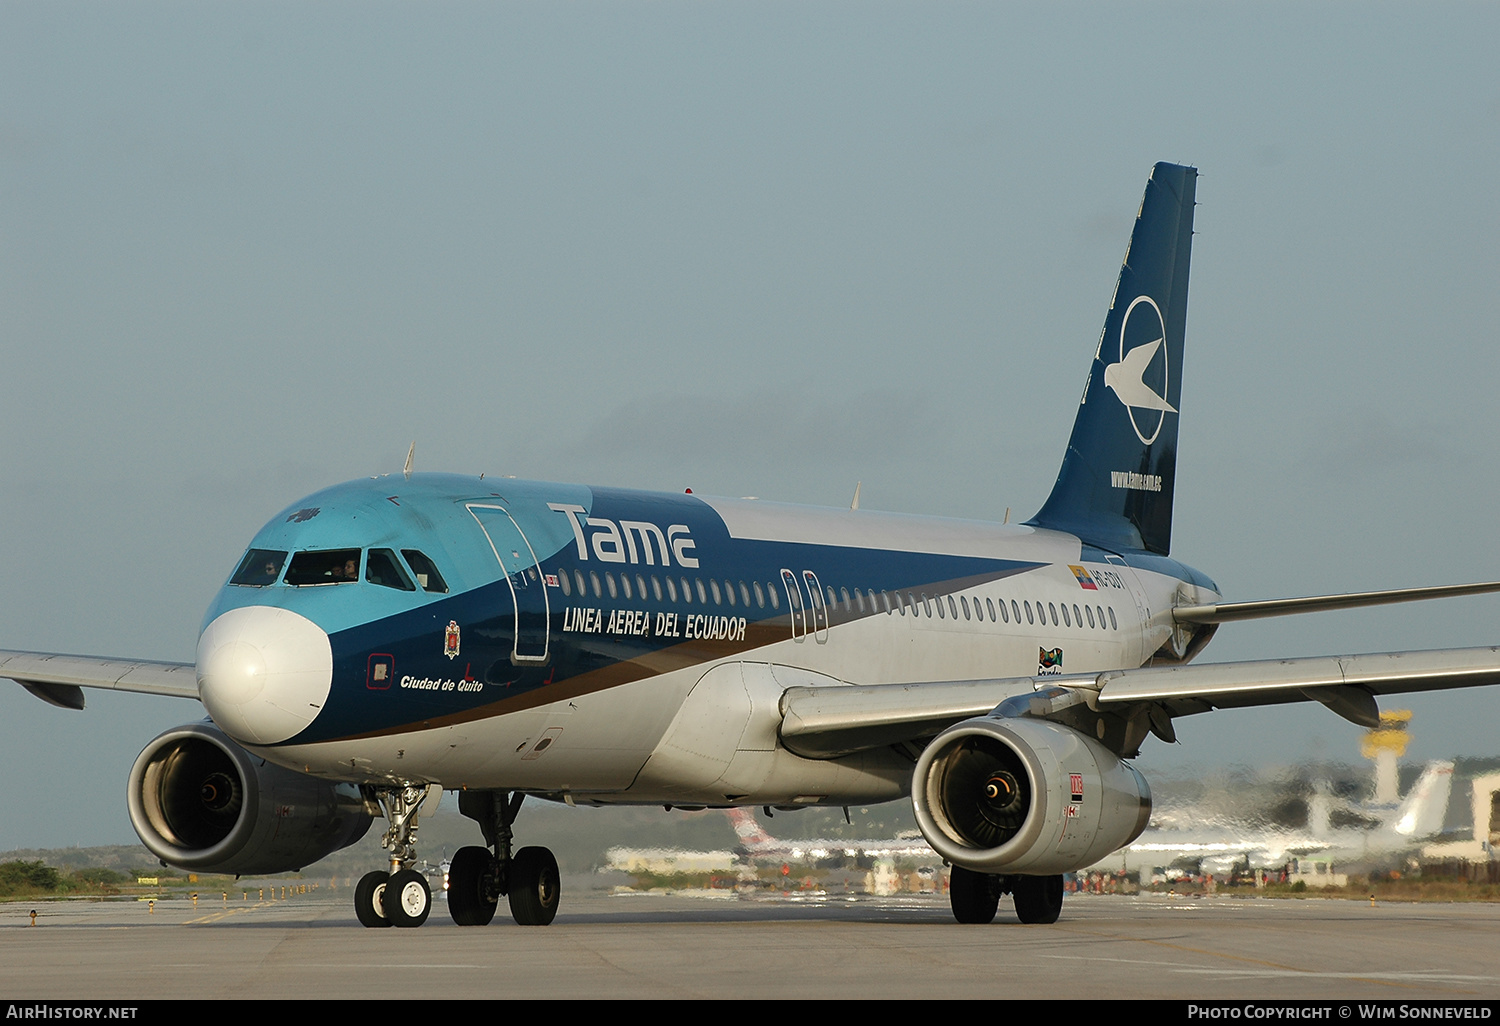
<point x="410" y="454"/>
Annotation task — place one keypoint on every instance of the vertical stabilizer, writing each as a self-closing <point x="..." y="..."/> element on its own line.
<point x="1115" y="486"/>
<point x="1422" y="814"/>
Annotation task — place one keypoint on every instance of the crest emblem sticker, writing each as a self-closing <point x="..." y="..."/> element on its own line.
<point x="450" y="640"/>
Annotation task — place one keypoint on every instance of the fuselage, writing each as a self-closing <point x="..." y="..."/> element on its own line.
<point x="518" y="635"/>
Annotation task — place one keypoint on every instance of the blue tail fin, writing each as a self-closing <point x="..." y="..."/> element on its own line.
<point x="1115" y="487"/>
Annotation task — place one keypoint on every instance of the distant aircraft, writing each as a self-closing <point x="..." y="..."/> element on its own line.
<point x="759" y="846"/>
<point x="1219" y="846"/>
<point x="508" y="638"/>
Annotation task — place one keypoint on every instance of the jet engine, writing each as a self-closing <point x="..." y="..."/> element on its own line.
<point x="201" y="802"/>
<point x="1025" y="796"/>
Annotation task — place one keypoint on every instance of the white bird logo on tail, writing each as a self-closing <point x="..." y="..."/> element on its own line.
<point x="1127" y="377"/>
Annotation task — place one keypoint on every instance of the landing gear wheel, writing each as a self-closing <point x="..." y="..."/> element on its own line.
<point x="535" y="887"/>
<point x="408" y="899"/>
<point x="1039" y="898"/>
<point x="473" y="886"/>
<point x="369" y="899"/>
<point x="974" y="896"/>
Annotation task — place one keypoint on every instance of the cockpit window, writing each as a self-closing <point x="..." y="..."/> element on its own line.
<point x="427" y="573"/>
<point x="336" y="566"/>
<point x="383" y="569"/>
<point x="259" y="568"/>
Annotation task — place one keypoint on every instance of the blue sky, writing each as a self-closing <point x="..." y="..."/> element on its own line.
<point x="248" y="250"/>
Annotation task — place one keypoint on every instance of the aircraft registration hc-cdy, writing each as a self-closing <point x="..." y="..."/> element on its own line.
<point x="385" y="638"/>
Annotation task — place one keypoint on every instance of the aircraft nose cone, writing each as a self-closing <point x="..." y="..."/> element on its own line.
<point x="263" y="673"/>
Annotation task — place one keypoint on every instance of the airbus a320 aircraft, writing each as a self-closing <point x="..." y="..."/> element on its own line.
<point x="386" y="637"/>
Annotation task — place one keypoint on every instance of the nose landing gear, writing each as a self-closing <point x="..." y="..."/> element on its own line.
<point x="399" y="896"/>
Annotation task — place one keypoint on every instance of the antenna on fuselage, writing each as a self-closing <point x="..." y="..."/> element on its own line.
<point x="410" y="453"/>
<point x="855" y="503"/>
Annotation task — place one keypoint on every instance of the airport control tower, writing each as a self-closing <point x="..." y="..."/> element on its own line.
<point x="1385" y="744"/>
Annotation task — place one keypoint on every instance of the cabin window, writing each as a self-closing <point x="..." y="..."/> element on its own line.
<point x="625" y="586"/>
<point x="382" y="568"/>
<point x="952" y="607"/>
<point x="1090" y="610"/>
<point x="334" y="566"/>
<point x="687" y="591"/>
<point x="1113" y="623"/>
<point x="565" y="583"/>
<point x="703" y="595"/>
<point x="1028" y="612"/>
<point x="744" y="594"/>
<point x="772" y="595"/>
<point x="859" y="599"/>
<point x="259" y="568"/>
<point x="714" y="587"/>
<point x="1067" y="620"/>
<point x="656" y="586"/>
<point x="1077" y="616"/>
<point x="760" y="595"/>
<point x="963" y="600"/>
<point x="640" y="587"/>
<point x="594" y="584"/>
<point x="989" y="604"/>
<point x="671" y="590"/>
<point x="609" y="581"/>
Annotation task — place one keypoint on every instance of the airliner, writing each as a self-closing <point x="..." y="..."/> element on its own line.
<point x="756" y="845"/>
<point x="386" y="639"/>
<point x="1218" y="846"/>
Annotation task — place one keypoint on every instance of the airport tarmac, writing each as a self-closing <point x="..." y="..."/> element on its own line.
<point x="665" y="946"/>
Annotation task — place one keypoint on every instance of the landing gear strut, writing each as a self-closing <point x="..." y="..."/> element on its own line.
<point x="975" y="897"/>
<point x="398" y="896"/>
<point x="478" y="876"/>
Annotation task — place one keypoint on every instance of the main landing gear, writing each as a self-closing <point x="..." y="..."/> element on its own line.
<point x="477" y="877"/>
<point x="400" y="896"/>
<point x="975" y="897"/>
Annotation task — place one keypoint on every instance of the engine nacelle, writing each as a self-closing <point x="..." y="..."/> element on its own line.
<point x="1019" y="795"/>
<point x="201" y="802"/>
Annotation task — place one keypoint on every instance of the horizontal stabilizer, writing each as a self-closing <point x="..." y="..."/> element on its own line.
<point x="1227" y="612"/>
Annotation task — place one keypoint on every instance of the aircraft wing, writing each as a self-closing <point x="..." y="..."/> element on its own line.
<point x="60" y="679"/>
<point x="825" y="722"/>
